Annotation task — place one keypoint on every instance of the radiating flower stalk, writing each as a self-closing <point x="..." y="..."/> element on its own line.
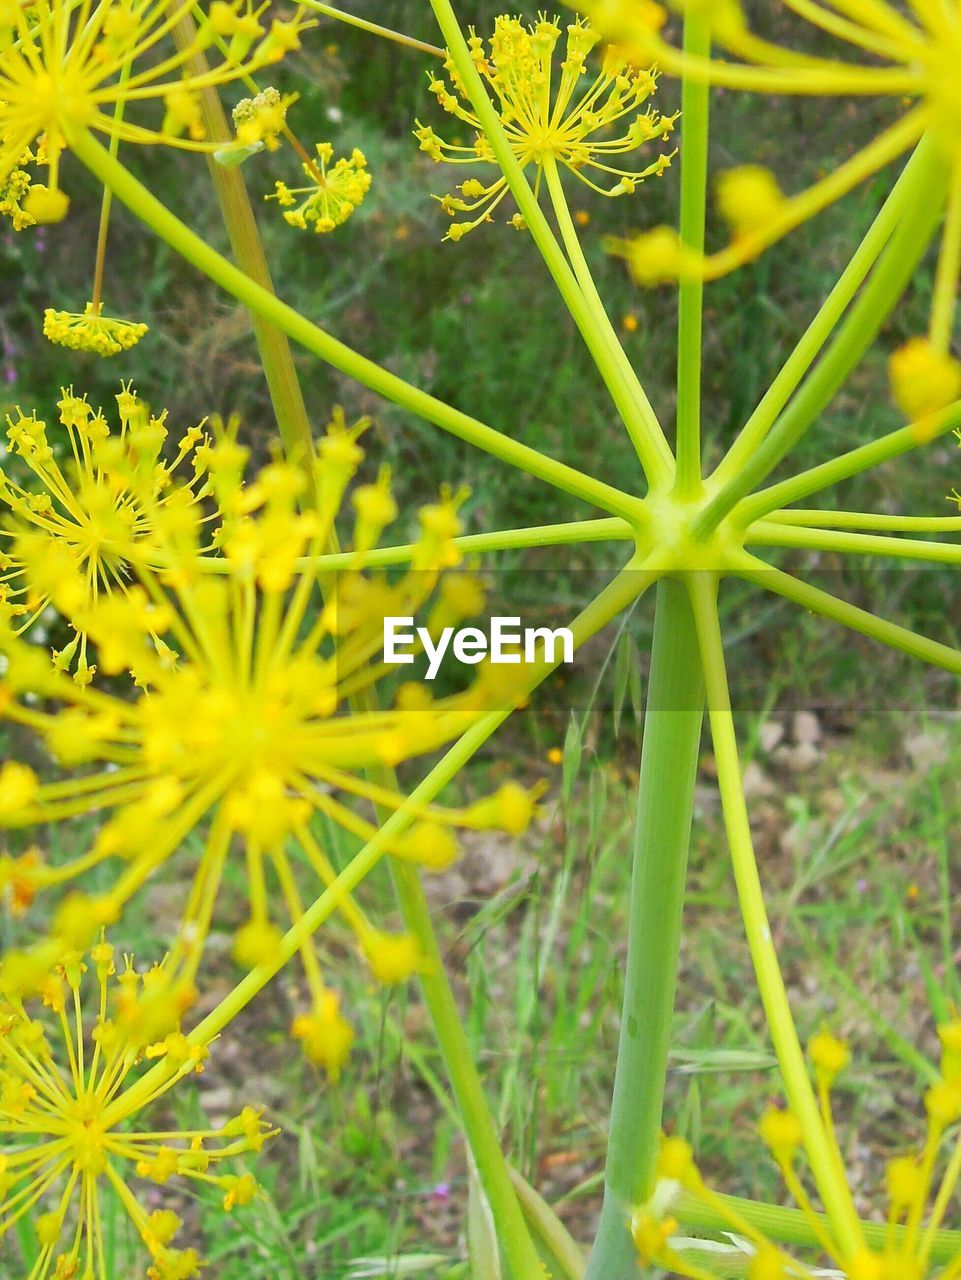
<point x="254" y="642"/>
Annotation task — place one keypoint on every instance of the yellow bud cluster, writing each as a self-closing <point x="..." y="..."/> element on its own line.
<point x="91" y="331"/>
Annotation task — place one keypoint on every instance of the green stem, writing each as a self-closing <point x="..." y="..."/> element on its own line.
<point x="695" y="109"/>
<point x="833" y="1188"/>
<point x="821" y="327"/>
<point x="265" y="304"/>
<point x="283" y="384"/>
<point x="878" y="298"/>
<point x="767" y="533"/>
<point x="849" y="615"/>
<point x="475" y="1114"/>
<point x="545" y="535"/>
<point x="852" y="463"/>
<point x="868" y="520"/>
<point x="373" y="28"/>
<point x="585" y="280"/>
<point x="622" y="383"/>
<point x="792" y="1226"/>
<point x="672" y="735"/>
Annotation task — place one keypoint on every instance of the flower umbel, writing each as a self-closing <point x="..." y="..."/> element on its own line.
<point x="332" y="194"/>
<point x="69" y="1104"/>
<point x="248" y="659"/>
<point x="569" y="122"/>
<point x="20" y="199"/>
<point x="71" y="541"/>
<point x="92" y="331"/>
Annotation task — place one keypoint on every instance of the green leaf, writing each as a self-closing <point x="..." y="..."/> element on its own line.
<point x="231" y="157"/>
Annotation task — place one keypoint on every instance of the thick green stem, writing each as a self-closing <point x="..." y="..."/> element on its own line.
<point x="822" y="326"/>
<point x="626" y="391"/>
<point x="474" y="1113"/>
<point x="695" y="107"/>
<point x="878" y="298"/>
<point x="832" y="1187"/>
<point x="265" y="304"/>
<point x="672" y="735"/>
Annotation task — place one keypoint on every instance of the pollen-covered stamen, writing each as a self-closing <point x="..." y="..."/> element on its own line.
<point x="573" y="125"/>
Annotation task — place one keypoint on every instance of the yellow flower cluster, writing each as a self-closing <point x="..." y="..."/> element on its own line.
<point x="548" y="114"/>
<point x="263" y="118"/>
<point x="72" y="541"/>
<point x="19" y="198"/>
<point x="333" y="192"/>
<point x="91" y="331"/>
<point x="70" y="1095"/>
<point x="919" y="1188"/>
<point x="66" y="67"/>
<point x="248" y="654"/>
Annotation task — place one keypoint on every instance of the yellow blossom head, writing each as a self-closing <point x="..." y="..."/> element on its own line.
<point x="91" y="331"/>
<point x="334" y="190"/>
<point x="249" y="648"/>
<point x="71" y="527"/>
<point x="550" y="114"/>
<point x="72" y="1038"/>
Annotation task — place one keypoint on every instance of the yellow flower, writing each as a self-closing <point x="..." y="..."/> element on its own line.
<point x="919" y="1188"/>
<point x="563" y="119"/>
<point x="909" y="55"/>
<point x="263" y="118"/>
<point x="332" y="194"/>
<point x="91" y="331"/>
<point x="71" y="541"/>
<point x="923" y="379"/>
<point x="65" y="67"/>
<point x="69" y="1103"/>
<point x="18" y="195"/>
<point x="247" y="658"/>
